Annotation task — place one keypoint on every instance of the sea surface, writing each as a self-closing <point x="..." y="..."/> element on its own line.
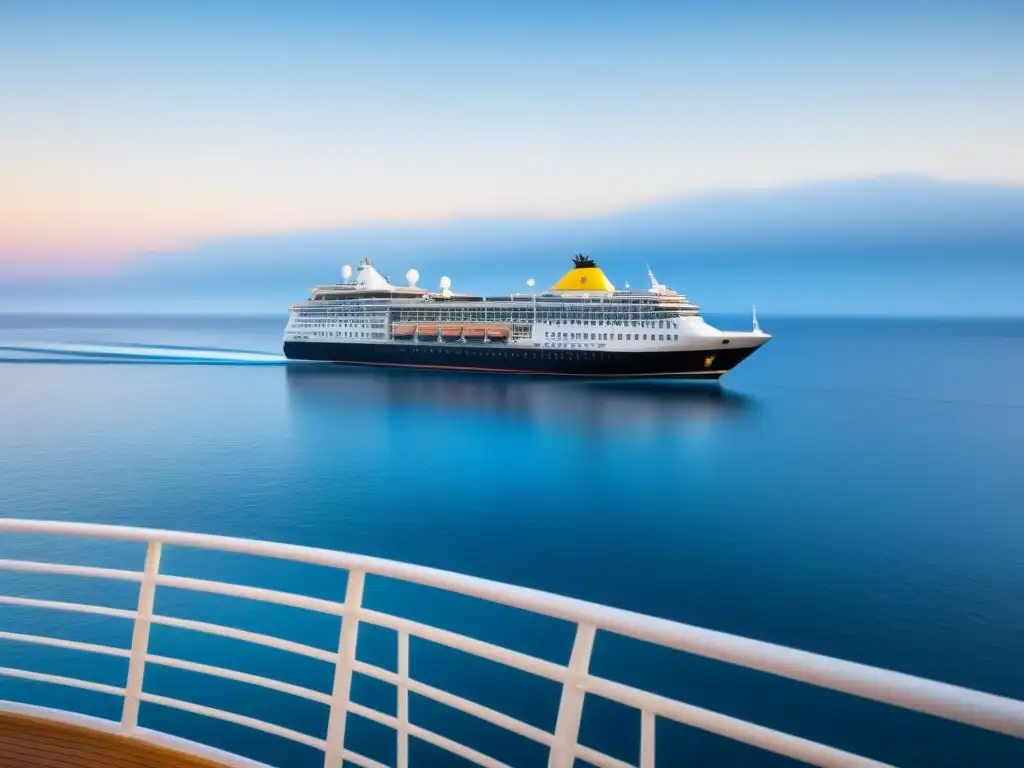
<point x="856" y="489"/>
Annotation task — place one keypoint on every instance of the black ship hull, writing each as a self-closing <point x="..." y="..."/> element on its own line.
<point x="707" y="364"/>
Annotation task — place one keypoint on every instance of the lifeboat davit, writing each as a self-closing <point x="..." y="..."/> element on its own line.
<point x="427" y="331"/>
<point x="475" y="332"/>
<point x="497" y="332"/>
<point x="451" y="332"/>
<point x="403" y="330"/>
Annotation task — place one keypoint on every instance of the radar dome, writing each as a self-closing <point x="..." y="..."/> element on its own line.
<point x="530" y="283"/>
<point x="412" y="276"/>
<point x="346" y="272"/>
<point x="446" y="282"/>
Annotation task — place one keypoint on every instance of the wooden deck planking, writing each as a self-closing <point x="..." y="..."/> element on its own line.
<point x="30" y="742"/>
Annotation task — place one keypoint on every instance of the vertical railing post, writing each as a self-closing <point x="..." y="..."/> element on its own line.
<point x="343" y="670"/>
<point x="570" y="709"/>
<point x="646" y="739"/>
<point x="140" y="639"/>
<point x="403" y="699"/>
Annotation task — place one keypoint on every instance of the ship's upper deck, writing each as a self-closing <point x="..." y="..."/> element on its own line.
<point x="585" y="284"/>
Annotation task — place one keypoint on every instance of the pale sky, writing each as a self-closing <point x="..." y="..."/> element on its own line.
<point x="128" y="126"/>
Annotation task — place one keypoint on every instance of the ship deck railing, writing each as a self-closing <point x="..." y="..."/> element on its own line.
<point x="577" y="681"/>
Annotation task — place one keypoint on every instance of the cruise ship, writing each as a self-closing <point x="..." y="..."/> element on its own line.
<point x="582" y="326"/>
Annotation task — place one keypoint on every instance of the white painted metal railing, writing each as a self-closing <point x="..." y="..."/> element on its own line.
<point x="983" y="710"/>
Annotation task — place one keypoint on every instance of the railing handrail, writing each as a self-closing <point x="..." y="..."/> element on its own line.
<point x="985" y="710"/>
<point x="946" y="700"/>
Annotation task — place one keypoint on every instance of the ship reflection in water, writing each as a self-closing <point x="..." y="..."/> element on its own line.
<point x="595" y="406"/>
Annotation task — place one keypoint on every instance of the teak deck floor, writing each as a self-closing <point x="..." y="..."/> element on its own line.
<point x="30" y="742"/>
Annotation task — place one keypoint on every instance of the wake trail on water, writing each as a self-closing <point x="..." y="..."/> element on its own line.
<point x="135" y="353"/>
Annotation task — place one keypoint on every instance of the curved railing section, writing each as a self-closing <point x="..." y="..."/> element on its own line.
<point x="987" y="711"/>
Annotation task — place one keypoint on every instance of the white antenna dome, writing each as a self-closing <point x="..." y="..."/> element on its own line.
<point x="530" y="283"/>
<point x="446" y="283"/>
<point x="412" y="276"/>
<point x="346" y="272"/>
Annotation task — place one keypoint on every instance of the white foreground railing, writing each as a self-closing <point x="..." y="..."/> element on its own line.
<point x="983" y="710"/>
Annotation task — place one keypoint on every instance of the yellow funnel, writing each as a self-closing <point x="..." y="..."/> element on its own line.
<point x="586" y="277"/>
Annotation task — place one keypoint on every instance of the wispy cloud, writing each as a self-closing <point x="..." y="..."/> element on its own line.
<point x="132" y="126"/>
<point x="891" y="246"/>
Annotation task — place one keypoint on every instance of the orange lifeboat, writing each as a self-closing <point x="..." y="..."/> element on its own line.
<point x="403" y="330"/>
<point x="475" y="332"/>
<point x="451" y="332"/>
<point x="427" y="331"/>
<point x="497" y="332"/>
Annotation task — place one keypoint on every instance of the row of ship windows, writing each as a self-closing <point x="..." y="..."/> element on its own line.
<point x="548" y="334"/>
<point x="348" y="334"/>
<point x="645" y="319"/>
<point x="416" y="349"/>
<point x="433" y="315"/>
<point x="632" y="323"/>
<point x="300" y="324"/>
<point x="332" y="320"/>
<point x="380" y="325"/>
<point x="609" y="336"/>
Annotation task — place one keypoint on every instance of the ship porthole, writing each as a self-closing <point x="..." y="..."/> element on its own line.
<point x="725" y="341"/>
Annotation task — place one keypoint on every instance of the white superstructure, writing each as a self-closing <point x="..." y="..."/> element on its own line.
<point x="368" y="308"/>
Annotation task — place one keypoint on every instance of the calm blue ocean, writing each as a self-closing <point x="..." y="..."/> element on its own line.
<point x="856" y="489"/>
